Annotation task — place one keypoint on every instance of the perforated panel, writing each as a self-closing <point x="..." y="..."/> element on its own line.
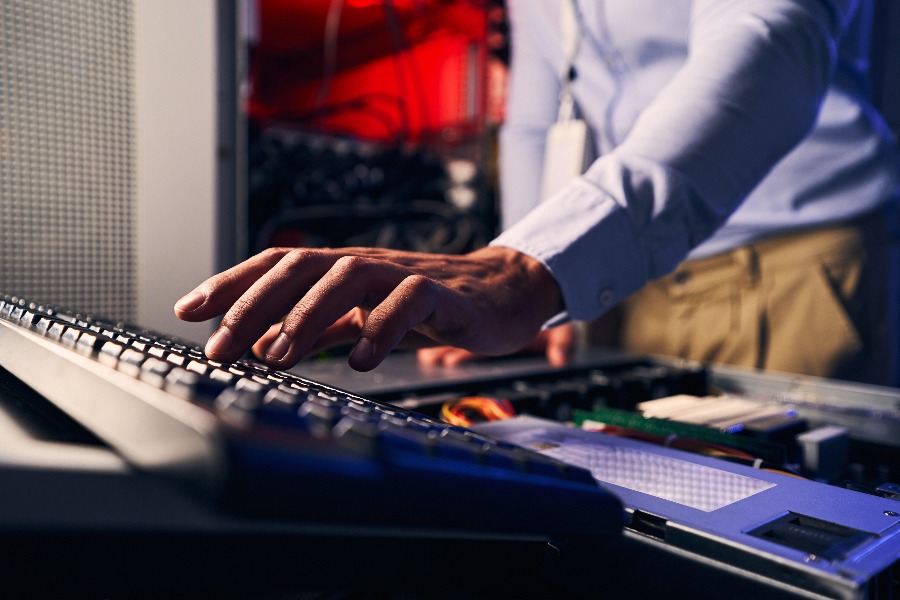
<point x="615" y="461"/>
<point x="687" y="483"/>
<point x="67" y="174"/>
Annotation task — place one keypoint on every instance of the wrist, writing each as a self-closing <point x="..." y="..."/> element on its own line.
<point x="528" y="278"/>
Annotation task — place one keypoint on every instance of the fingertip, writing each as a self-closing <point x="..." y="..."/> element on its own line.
<point x="279" y="349"/>
<point x="261" y="345"/>
<point x="259" y="353"/>
<point x="362" y="354"/>
<point x="189" y="304"/>
<point x="367" y="354"/>
<point x="219" y="344"/>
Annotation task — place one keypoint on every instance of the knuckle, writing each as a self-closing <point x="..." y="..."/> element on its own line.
<point x="418" y="284"/>
<point x="296" y="256"/>
<point x="348" y="265"/>
<point x="358" y="317"/>
<point x="293" y="320"/>
<point x="237" y="312"/>
<point x="223" y="280"/>
<point x="275" y="253"/>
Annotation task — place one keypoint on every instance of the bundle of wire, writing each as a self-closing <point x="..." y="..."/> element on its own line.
<point x="471" y="409"/>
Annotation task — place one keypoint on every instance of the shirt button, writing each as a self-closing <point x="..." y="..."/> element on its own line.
<point x="605" y="298"/>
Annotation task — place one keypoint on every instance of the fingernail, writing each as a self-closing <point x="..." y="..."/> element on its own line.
<point x="190" y="302"/>
<point x="362" y="351"/>
<point x="220" y="342"/>
<point x="279" y="348"/>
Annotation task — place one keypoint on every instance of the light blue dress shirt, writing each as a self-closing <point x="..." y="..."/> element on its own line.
<point x="717" y="122"/>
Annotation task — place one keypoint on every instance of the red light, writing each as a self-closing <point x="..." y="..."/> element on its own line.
<point x="399" y="4"/>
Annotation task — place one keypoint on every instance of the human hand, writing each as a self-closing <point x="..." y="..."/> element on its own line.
<point x="491" y="301"/>
<point x="556" y="344"/>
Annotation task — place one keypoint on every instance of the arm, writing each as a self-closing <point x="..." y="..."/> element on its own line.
<point x="748" y="92"/>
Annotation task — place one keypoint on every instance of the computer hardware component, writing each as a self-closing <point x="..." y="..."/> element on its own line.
<point x="268" y="443"/>
<point x="802" y="538"/>
<point x="757" y="448"/>
<point x="602" y="378"/>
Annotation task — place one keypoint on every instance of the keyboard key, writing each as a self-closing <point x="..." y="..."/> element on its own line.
<point x="154" y="371"/>
<point x="281" y="401"/>
<point x="55" y="330"/>
<point x="449" y="444"/>
<point x="238" y="406"/>
<point x="176" y="359"/>
<point x="130" y="362"/>
<point x="42" y="325"/>
<point x="320" y="416"/>
<point x="181" y="382"/>
<point x="68" y="318"/>
<point x="198" y="366"/>
<point x="109" y="353"/>
<point x="506" y="456"/>
<point x="404" y="440"/>
<point x="193" y="386"/>
<point x="249" y="384"/>
<point x="70" y="336"/>
<point x="89" y="343"/>
<point x="29" y="319"/>
<point x="356" y="434"/>
<point x="222" y="375"/>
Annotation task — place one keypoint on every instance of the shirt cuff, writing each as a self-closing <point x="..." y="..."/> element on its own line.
<point x="588" y="243"/>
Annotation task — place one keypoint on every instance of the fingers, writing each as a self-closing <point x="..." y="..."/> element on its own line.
<point x="318" y="290"/>
<point x="411" y="304"/>
<point x="490" y="302"/>
<point x="259" y="348"/>
<point x="270" y="297"/>
<point x="353" y="281"/>
<point x="215" y="295"/>
<point x="560" y="344"/>
<point x="556" y="344"/>
<point x="432" y="357"/>
<point x="446" y="356"/>
<point x="344" y="331"/>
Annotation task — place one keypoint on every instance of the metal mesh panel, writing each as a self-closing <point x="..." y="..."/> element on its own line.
<point x="67" y="175"/>
<point x="614" y="461"/>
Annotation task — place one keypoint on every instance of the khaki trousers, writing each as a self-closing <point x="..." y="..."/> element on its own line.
<point x="813" y="302"/>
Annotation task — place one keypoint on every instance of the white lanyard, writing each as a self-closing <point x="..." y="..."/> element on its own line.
<point x="570" y="39"/>
<point x="568" y="149"/>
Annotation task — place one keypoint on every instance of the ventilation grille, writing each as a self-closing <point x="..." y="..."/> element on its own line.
<point x="67" y="173"/>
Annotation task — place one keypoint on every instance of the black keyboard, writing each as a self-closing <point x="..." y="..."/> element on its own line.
<point x="266" y="443"/>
